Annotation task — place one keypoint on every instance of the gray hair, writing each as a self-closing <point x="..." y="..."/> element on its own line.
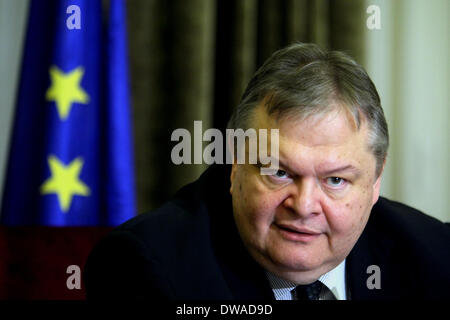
<point x="302" y="80"/>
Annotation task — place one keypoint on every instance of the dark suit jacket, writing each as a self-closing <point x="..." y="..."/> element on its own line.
<point x="189" y="249"/>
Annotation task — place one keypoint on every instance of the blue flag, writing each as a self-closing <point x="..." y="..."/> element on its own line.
<point x="71" y="154"/>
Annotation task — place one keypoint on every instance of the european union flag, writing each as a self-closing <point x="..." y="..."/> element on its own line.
<point x="71" y="157"/>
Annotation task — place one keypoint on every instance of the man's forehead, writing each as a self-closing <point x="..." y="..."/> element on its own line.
<point x="336" y="118"/>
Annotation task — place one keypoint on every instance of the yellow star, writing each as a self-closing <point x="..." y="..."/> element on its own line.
<point x="64" y="181"/>
<point x="65" y="89"/>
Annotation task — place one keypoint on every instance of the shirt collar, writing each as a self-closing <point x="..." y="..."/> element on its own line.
<point x="333" y="279"/>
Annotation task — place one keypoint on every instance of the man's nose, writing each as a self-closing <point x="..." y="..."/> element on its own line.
<point x="304" y="198"/>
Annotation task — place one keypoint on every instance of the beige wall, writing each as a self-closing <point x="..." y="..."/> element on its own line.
<point x="408" y="59"/>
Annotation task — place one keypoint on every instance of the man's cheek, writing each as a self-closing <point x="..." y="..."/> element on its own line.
<point x="341" y="219"/>
<point x="349" y="225"/>
<point x="258" y="211"/>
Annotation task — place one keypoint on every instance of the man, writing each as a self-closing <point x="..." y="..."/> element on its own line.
<point x="314" y="229"/>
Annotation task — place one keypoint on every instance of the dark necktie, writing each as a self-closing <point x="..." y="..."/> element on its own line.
<point x="309" y="292"/>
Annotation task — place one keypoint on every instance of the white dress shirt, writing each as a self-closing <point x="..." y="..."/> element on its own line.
<point x="334" y="280"/>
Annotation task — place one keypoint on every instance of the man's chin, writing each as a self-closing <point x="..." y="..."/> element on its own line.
<point x="298" y="258"/>
<point x="296" y="266"/>
<point x="290" y="262"/>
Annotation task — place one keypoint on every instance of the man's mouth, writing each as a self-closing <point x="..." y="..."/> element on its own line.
<point x="296" y="233"/>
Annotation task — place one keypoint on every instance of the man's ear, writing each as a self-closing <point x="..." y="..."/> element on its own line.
<point x="377" y="185"/>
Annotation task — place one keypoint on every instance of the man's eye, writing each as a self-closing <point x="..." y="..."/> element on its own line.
<point x="281" y="174"/>
<point x="335" y="181"/>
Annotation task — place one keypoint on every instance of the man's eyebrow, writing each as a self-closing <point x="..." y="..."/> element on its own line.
<point x="348" y="167"/>
<point x="281" y="164"/>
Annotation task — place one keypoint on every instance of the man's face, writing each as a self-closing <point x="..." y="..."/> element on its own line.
<point x="303" y="221"/>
